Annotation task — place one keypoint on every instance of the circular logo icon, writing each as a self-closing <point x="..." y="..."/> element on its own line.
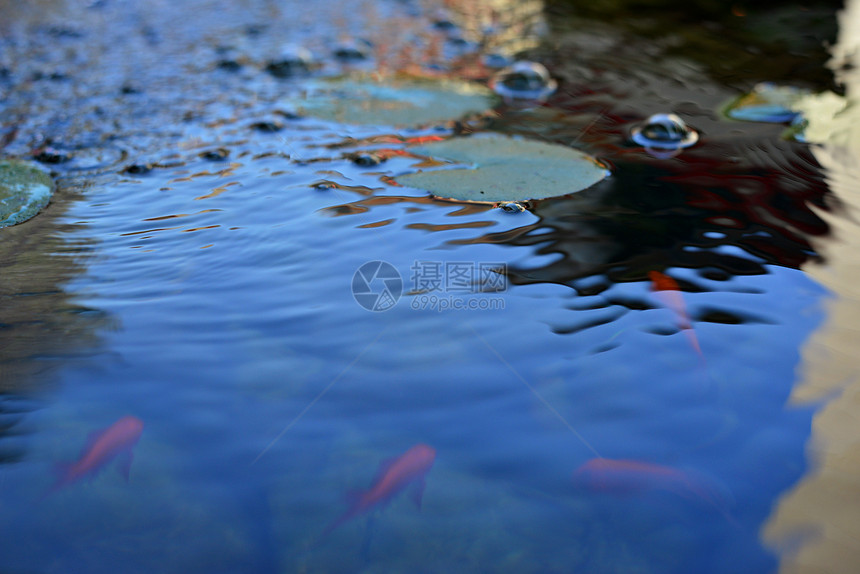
<point x="377" y="286"/>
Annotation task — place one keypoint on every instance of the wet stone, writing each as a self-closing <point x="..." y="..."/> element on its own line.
<point x="55" y="76"/>
<point x="350" y="52"/>
<point x="25" y="189"/>
<point x="291" y="61"/>
<point x="444" y="25"/>
<point x="60" y="32"/>
<point x="287" y="115"/>
<point x="218" y="154"/>
<point x="254" y="30"/>
<point x="228" y="65"/>
<point x="365" y="159"/>
<point x="50" y="155"/>
<point x="266" y="127"/>
<point x="138" y="168"/>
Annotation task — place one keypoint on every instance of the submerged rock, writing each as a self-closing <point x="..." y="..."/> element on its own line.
<point x="25" y="189"/>
<point x="504" y="170"/>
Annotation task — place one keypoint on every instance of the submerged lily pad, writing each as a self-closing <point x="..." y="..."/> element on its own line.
<point x="398" y="102"/>
<point x="767" y="103"/>
<point x="504" y="169"/>
<point x="24" y="190"/>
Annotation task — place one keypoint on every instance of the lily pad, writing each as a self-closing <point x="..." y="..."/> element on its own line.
<point x="504" y="168"/>
<point x="397" y="101"/>
<point x="24" y="190"/>
<point x="767" y="103"/>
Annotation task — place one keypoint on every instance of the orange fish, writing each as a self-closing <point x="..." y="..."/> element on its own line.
<point x="666" y="290"/>
<point x="394" y="476"/>
<point x="423" y="139"/>
<point x="102" y="447"/>
<point x="624" y="476"/>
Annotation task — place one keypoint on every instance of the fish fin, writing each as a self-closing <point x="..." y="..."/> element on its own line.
<point x="706" y="489"/>
<point x="418" y="492"/>
<point x="124" y="464"/>
<point x="332" y="527"/>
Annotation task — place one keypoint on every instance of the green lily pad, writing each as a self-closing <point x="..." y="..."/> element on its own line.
<point x="504" y="169"/>
<point x="24" y="190"/>
<point x="393" y="102"/>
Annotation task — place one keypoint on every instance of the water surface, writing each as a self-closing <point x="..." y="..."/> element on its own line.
<point x="201" y="255"/>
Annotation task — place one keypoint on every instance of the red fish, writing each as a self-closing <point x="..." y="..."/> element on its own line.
<point x="394" y="476"/>
<point x="102" y="447"/>
<point x="667" y="291"/>
<point x="626" y="477"/>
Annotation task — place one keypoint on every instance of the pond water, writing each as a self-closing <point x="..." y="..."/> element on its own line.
<point x="197" y="270"/>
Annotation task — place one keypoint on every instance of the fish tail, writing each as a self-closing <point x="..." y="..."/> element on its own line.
<point x="694" y="341"/>
<point x="323" y="536"/>
<point x="63" y="472"/>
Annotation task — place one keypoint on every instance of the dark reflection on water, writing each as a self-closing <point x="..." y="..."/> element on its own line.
<point x="654" y="216"/>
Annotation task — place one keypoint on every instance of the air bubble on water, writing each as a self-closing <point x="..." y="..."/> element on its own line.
<point x="513" y="206"/>
<point x="664" y="132"/>
<point x="523" y="81"/>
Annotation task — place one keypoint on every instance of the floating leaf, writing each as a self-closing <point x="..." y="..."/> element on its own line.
<point x="398" y="102"/>
<point x="24" y="190"/>
<point x="767" y="103"/>
<point x="504" y="169"/>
